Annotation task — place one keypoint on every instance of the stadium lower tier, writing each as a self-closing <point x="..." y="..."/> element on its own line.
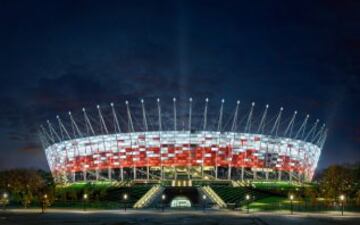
<point x="178" y="174"/>
<point x="165" y="155"/>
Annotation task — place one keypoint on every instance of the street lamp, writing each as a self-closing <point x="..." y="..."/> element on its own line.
<point x="204" y="202"/>
<point x="85" y="197"/>
<point x="43" y="203"/>
<point x="247" y="202"/>
<point x="5" y="200"/>
<point x="342" y="199"/>
<point x="163" y="197"/>
<point x="291" y="203"/>
<point x="125" y="197"/>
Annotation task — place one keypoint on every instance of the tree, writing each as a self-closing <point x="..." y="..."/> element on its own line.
<point x="336" y="180"/>
<point x="311" y="193"/>
<point x="23" y="184"/>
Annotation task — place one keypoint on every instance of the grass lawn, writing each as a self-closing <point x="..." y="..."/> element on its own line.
<point x="82" y="185"/>
<point x="277" y="184"/>
<point x="279" y="187"/>
<point x="269" y="203"/>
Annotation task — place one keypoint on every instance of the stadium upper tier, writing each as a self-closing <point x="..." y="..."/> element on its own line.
<point x="262" y="149"/>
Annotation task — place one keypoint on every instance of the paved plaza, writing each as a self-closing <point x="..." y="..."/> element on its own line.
<point x="171" y="217"/>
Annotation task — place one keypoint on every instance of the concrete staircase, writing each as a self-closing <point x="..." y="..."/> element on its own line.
<point x="210" y="193"/>
<point x="149" y="197"/>
<point x="238" y="183"/>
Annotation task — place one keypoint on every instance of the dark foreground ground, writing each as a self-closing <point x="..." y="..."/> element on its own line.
<point x="152" y="217"/>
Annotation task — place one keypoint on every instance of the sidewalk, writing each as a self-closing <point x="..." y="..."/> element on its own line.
<point x="188" y="212"/>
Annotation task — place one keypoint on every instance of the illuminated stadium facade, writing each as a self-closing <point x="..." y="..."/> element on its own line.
<point x="158" y="144"/>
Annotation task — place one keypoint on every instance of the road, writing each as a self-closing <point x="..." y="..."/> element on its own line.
<point x="171" y="217"/>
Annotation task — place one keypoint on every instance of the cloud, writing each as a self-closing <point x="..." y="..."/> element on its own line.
<point x="31" y="148"/>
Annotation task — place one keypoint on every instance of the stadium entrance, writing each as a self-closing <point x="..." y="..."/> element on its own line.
<point x="181" y="197"/>
<point x="180" y="202"/>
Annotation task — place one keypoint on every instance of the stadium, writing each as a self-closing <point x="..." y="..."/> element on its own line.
<point x="182" y="144"/>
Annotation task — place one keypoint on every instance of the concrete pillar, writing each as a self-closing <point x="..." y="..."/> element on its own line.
<point x="162" y="172"/>
<point x="189" y="171"/>
<point x="255" y="174"/>
<point x="267" y="175"/>
<point x="109" y="173"/>
<point x="229" y="173"/>
<point x="216" y="172"/>
<point x="147" y="172"/>
<point x="134" y="172"/>
<point x="122" y="174"/>
<point x="85" y="175"/>
<point x="302" y="177"/>
<point x="279" y="175"/>
<point x="97" y="174"/>
<point x="174" y="172"/>
<point x="242" y="173"/>
<point x="202" y="171"/>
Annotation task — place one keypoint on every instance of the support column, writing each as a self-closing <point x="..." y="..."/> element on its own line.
<point x="109" y="173"/>
<point x="174" y="172"/>
<point x="279" y="175"/>
<point x="147" y="172"/>
<point x="122" y="173"/>
<point x="290" y="176"/>
<point x="267" y="175"/>
<point x="134" y="173"/>
<point x="255" y="174"/>
<point x="242" y="173"/>
<point x="229" y="173"/>
<point x="162" y="173"/>
<point x="188" y="170"/>
<point x="85" y="175"/>
<point x="73" y="176"/>
<point x="302" y="177"/>
<point x="216" y="171"/>
<point x="97" y="174"/>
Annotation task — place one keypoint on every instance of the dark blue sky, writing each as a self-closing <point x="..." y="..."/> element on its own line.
<point x="57" y="56"/>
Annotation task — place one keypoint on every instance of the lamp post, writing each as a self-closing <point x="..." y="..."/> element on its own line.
<point x="204" y="202"/>
<point x="291" y="203"/>
<point x="125" y="197"/>
<point x="43" y="203"/>
<point x="5" y="200"/>
<point x="85" y="197"/>
<point x="163" y="197"/>
<point x="247" y="203"/>
<point x="342" y="199"/>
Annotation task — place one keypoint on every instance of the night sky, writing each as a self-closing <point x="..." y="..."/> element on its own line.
<point x="57" y="56"/>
